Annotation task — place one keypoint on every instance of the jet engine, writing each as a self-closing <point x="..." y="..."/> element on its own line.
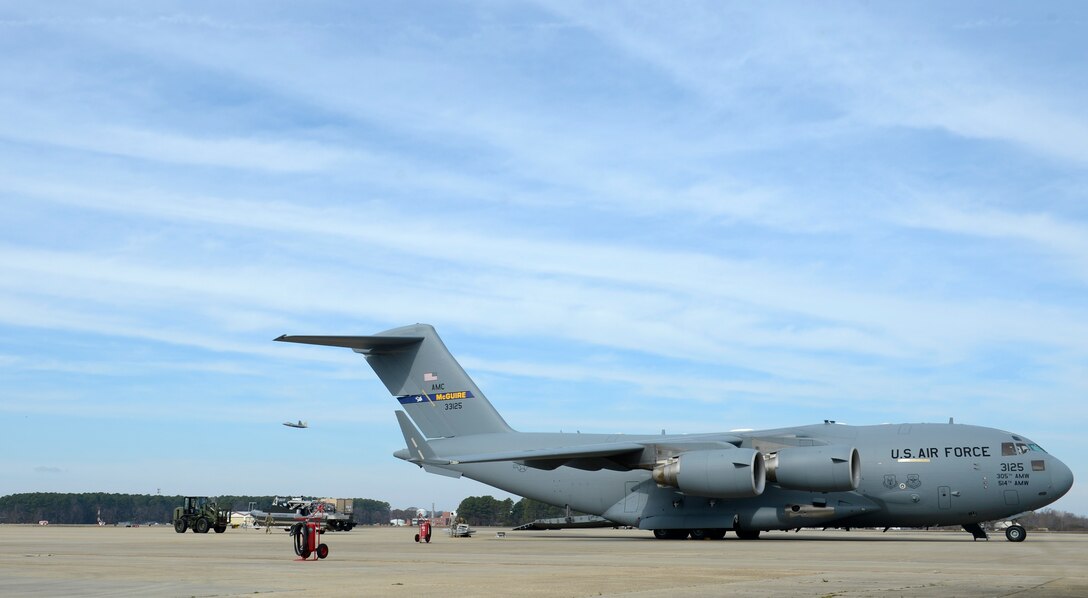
<point x="728" y="473"/>
<point x="815" y="468"/>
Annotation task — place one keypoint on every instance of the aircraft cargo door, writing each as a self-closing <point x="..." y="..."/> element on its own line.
<point x="944" y="497"/>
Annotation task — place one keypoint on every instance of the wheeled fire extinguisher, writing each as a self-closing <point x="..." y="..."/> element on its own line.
<point x="307" y="537"/>
<point x="424" y="534"/>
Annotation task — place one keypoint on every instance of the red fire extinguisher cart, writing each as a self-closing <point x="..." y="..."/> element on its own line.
<point x="424" y="534"/>
<point x="307" y="536"/>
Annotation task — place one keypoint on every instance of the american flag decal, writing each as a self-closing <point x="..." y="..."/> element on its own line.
<point x="430" y="377"/>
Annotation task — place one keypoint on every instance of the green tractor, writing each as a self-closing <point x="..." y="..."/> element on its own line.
<point x="200" y="514"/>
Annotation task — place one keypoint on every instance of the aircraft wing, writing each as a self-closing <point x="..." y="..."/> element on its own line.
<point x="420" y="451"/>
<point x="584" y="451"/>
<point x="623" y="455"/>
<point x="612" y="455"/>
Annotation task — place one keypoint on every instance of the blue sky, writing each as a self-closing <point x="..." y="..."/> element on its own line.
<point x="621" y="217"/>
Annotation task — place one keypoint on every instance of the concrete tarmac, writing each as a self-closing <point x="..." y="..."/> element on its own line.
<point x="155" y="561"/>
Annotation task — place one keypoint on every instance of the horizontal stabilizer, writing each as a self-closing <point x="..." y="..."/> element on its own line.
<point x="368" y="345"/>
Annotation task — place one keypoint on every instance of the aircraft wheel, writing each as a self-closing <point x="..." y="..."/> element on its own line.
<point x="417" y="537"/>
<point x="322" y="551"/>
<point x="748" y="534"/>
<point x="200" y="526"/>
<point x="1015" y="533"/>
<point x="661" y="534"/>
<point x="715" y="534"/>
<point x="698" y="534"/>
<point x="180" y="526"/>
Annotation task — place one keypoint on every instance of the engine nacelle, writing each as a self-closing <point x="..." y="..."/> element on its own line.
<point x="728" y="473"/>
<point x="815" y="468"/>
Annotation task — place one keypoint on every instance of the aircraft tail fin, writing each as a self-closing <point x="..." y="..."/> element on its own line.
<point x="418" y="369"/>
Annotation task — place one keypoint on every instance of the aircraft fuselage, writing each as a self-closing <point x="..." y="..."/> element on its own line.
<point x="911" y="475"/>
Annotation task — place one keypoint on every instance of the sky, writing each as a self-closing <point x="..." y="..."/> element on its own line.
<point x="620" y="217"/>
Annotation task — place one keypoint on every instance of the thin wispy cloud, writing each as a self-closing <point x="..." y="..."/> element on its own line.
<point x="1064" y="239"/>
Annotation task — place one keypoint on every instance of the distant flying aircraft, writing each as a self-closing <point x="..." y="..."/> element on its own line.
<point x="702" y="485"/>
<point x="300" y="424"/>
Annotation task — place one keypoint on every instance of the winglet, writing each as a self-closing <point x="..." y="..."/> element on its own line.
<point x="418" y="449"/>
<point x="420" y="452"/>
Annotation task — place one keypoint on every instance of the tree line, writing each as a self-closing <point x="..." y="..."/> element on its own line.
<point x="88" y="507"/>
<point x="488" y="510"/>
<point x="1054" y="520"/>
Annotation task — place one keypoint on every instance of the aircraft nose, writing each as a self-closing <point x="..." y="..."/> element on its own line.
<point x="1061" y="477"/>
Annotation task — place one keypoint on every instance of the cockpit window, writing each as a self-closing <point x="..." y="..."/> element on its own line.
<point x="1009" y="449"/>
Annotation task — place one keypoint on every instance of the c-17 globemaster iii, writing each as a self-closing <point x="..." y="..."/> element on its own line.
<point x="702" y="485"/>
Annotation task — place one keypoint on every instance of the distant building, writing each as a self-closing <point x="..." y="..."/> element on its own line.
<point x="242" y="519"/>
<point x="438" y="518"/>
